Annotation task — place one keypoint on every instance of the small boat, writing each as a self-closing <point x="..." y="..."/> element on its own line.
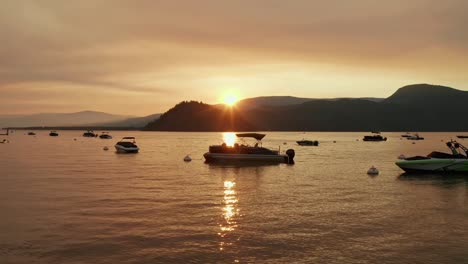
<point x="53" y="134"/>
<point x="307" y="142"/>
<point x="89" y="133"/>
<point x="408" y="134"/>
<point x="415" y="137"/>
<point x="31" y="134"/>
<point x="105" y="135"/>
<point x="374" y="138"/>
<point x="246" y="153"/>
<point x="438" y="161"/>
<point x="127" y="145"/>
<point x="4" y="141"/>
<point x="462" y="136"/>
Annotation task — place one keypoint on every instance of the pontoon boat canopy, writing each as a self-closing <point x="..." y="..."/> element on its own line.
<point x="252" y="135"/>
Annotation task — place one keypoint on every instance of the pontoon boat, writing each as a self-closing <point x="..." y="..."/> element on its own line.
<point x="246" y="153"/>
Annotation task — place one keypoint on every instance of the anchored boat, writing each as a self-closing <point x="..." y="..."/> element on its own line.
<point x="247" y="153"/>
<point x="53" y="134"/>
<point x="105" y="135"/>
<point x="415" y="137"/>
<point x="438" y="161"/>
<point x="127" y="145"/>
<point x="89" y="133"/>
<point x="374" y="138"/>
<point x="307" y="142"/>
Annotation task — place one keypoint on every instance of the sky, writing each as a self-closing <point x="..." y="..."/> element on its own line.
<point x="139" y="57"/>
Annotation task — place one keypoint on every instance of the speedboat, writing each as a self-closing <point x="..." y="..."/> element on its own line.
<point x="415" y="137"/>
<point x="374" y="138"/>
<point x="53" y="134"/>
<point x="247" y="153"/>
<point x="31" y="134"/>
<point x="127" y="145"/>
<point x="438" y="161"/>
<point x="307" y="142"/>
<point x="89" y="133"/>
<point x="105" y="135"/>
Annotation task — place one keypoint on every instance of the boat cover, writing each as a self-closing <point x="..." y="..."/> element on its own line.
<point x="257" y="136"/>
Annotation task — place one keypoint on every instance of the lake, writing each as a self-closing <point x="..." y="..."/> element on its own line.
<point x="69" y="201"/>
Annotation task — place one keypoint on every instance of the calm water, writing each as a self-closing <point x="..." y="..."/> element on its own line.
<point x="66" y="201"/>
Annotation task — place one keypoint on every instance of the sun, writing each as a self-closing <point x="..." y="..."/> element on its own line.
<point x="230" y="99"/>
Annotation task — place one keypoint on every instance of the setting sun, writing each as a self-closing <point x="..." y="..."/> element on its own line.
<point x="230" y="99"/>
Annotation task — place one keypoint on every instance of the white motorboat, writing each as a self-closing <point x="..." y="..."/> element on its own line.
<point x="414" y="137"/>
<point x="127" y="145"/>
<point x="246" y="153"/>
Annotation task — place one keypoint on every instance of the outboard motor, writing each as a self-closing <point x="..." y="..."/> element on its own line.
<point x="290" y="153"/>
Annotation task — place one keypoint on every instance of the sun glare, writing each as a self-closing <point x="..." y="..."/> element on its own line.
<point x="230" y="99"/>
<point x="229" y="138"/>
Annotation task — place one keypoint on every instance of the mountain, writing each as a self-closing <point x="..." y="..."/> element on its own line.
<point x="420" y="107"/>
<point x="269" y="101"/>
<point x="423" y="94"/>
<point x="59" y="119"/>
<point x="197" y="116"/>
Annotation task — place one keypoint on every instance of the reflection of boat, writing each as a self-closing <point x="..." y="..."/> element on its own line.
<point x="246" y="153"/>
<point x="438" y="161"/>
<point x="89" y="133"/>
<point x="53" y="134"/>
<point x="307" y="142"/>
<point x="105" y="135"/>
<point x="462" y="136"/>
<point x="127" y="145"/>
<point x="414" y="137"/>
<point x="374" y="138"/>
<point x="31" y="134"/>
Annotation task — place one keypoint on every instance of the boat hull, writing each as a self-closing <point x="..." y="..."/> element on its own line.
<point x="434" y="165"/>
<point x="221" y="157"/>
<point x="121" y="149"/>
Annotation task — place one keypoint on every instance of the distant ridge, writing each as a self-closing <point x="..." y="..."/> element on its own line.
<point x="419" y="107"/>
<point x="427" y="93"/>
<point x="59" y="119"/>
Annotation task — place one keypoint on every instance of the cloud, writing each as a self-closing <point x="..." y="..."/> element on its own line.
<point x="145" y="47"/>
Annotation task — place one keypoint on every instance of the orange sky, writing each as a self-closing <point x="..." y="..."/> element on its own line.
<point x="142" y="57"/>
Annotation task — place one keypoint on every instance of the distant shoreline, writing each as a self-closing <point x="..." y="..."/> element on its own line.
<point x="219" y="131"/>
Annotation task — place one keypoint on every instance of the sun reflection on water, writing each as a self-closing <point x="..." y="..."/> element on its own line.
<point x="229" y="138"/>
<point x="230" y="212"/>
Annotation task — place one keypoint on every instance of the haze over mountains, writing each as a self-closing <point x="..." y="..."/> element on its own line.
<point x="420" y="107"/>
<point x="79" y="119"/>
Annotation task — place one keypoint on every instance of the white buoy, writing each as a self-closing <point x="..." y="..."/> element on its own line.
<point x="373" y="171"/>
<point x="402" y="157"/>
<point x="105" y="148"/>
<point x="187" y="158"/>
